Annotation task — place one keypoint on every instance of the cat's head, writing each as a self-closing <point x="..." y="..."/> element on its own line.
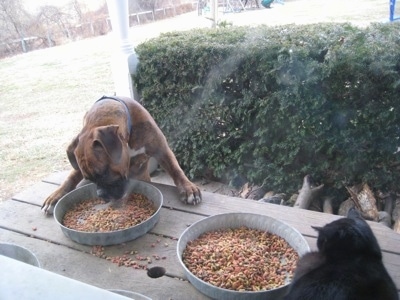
<point x="348" y="238"/>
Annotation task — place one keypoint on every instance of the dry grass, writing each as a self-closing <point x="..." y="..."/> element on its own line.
<point x="45" y="93"/>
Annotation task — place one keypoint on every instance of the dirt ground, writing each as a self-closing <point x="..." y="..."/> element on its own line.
<point x="45" y="93"/>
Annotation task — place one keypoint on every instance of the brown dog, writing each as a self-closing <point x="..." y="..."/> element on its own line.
<point x="117" y="140"/>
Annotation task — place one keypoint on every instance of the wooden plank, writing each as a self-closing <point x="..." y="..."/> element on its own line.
<point x="36" y="194"/>
<point x="147" y="247"/>
<point x="176" y="216"/>
<point x="299" y="218"/>
<point x="100" y="272"/>
<point x="35" y="224"/>
<point x="28" y="219"/>
<point x="216" y="203"/>
<point x="392" y="264"/>
<point x="56" y="177"/>
<point x="172" y="223"/>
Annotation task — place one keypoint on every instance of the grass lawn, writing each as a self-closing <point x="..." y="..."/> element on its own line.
<point x="44" y="95"/>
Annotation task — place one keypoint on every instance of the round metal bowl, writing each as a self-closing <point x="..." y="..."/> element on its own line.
<point x="235" y="220"/>
<point x="131" y="295"/>
<point x="19" y="253"/>
<point x="113" y="237"/>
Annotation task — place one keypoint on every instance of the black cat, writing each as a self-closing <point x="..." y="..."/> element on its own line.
<point x="348" y="265"/>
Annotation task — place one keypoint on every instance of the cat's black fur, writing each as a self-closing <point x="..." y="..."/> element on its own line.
<point x="348" y="265"/>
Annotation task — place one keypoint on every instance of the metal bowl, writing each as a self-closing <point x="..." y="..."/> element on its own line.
<point x="131" y="295"/>
<point x="19" y="253"/>
<point x="235" y="220"/>
<point x="113" y="237"/>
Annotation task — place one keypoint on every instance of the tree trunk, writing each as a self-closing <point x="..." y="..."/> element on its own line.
<point x="385" y="219"/>
<point x="396" y="216"/>
<point x="364" y="201"/>
<point x="249" y="191"/>
<point x="327" y="205"/>
<point x="307" y="193"/>
<point x="345" y="206"/>
<point x="389" y="204"/>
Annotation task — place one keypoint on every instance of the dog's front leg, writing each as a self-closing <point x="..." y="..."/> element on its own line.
<point x="188" y="191"/>
<point x="68" y="185"/>
<point x="138" y="168"/>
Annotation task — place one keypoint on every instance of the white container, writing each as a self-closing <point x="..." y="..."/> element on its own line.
<point x="131" y="295"/>
<point x="19" y="253"/>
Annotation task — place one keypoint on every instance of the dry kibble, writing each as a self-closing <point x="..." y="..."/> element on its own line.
<point x="135" y="209"/>
<point x="241" y="259"/>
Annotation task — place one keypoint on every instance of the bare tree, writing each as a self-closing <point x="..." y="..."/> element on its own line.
<point x="14" y="21"/>
<point x="141" y="5"/>
<point x="89" y="21"/>
<point x="55" y="19"/>
<point x="78" y="9"/>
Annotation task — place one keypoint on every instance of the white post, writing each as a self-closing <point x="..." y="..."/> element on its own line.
<point x="124" y="60"/>
<point x="214" y="12"/>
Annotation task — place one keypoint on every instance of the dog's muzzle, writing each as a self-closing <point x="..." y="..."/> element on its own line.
<point x="113" y="191"/>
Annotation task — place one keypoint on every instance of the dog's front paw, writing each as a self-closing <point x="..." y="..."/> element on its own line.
<point x="48" y="206"/>
<point x="49" y="210"/>
<point x="50" y="202"/>
<point x="190" y="193"/>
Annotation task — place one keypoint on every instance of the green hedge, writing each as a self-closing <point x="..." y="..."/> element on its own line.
<point x="272" y="104"/>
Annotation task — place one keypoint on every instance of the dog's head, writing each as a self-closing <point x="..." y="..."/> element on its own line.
<point x="348" y="238"/>
<point x="103" y="158"/>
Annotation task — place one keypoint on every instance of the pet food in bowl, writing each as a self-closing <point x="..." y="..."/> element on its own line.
<point x="240" y="256"/>
<point x="95" y="215"/>
<point x="109" y="225"/>
<point x="241" y="259"/>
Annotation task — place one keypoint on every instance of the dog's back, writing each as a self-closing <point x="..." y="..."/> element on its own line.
<point x="348" y="265"/>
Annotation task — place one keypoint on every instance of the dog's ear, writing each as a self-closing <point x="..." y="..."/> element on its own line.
<point x="71" y="153"/>
<point x="108" y="138"/>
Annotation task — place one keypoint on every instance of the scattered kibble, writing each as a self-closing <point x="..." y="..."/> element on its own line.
<point x="241" y="259"/>
<point x="86" y="217"/>
<point x="131" y="257"/>
<point x="137" y="262"/>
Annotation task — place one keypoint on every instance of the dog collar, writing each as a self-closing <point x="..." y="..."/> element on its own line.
<point x="128" y="115"/>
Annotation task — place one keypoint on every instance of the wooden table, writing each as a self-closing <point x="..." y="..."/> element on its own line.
<point x="22" y="222"/>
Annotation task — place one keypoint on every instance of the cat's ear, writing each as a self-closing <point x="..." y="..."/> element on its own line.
<point x="316" y="228"/>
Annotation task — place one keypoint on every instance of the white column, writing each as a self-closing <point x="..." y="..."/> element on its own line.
<point x="124" y="59"/>
<point x="214" y="12"/>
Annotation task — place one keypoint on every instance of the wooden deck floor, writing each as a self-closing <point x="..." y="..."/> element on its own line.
<point x="22" y="222"/>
